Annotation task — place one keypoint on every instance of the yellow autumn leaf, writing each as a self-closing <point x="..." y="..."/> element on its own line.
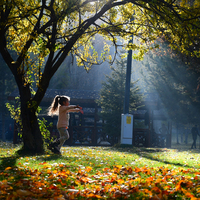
<point x="120" y="181"/>
<point x="8" y="168"/>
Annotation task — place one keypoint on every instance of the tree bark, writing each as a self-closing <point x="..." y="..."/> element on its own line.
<point x="31" y="135"/>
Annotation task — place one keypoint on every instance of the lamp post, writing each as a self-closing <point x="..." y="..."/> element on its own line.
<point x="126" y="118"/>
<point x="128" y="80"/>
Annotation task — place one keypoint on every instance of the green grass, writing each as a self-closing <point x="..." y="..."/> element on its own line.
<point x="101" y="173"/>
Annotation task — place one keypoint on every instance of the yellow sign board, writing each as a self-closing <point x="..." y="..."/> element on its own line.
<point x="128" y="119"/>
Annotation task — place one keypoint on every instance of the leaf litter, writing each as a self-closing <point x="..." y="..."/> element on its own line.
<point x="101" y="173"/>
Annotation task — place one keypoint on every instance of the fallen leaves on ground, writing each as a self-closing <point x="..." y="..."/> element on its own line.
<point x="61" y="181"/>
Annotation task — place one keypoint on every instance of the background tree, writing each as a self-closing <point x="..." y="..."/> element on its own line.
<point x="54" y="29"/>
<point x="7" y="85"/>
<point x="112" y="97"/>
<point x="176" y="84"/>
<point x="175" y="81"/>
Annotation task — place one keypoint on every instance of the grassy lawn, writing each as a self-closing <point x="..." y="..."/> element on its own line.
<point x="101" y="173"/>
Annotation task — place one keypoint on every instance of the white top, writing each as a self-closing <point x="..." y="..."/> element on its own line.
<point x="63" y="117"/>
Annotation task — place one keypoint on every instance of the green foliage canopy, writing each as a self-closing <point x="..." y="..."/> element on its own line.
<point x="53" y="29"/>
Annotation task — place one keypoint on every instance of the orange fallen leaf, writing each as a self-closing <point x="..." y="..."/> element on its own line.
<point x="8" y="168"/>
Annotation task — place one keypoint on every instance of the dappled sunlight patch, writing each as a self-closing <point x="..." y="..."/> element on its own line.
<point x="7" y="149"/>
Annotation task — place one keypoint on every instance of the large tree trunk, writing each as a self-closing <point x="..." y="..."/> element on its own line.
<point x="31" y="135"/>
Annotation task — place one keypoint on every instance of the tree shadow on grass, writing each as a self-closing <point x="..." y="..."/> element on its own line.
<point x="8" y="161"/>
<point x="11" y="160"/>
<point x="50" y="157"/>
<point x="148" y="153"/>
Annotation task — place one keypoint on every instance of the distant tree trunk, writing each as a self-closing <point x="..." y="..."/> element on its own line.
<point x="3" y="126"/>
<point x="177" y="133"/>
<point x="182" y="135"/>
<point x="3" y="111"/>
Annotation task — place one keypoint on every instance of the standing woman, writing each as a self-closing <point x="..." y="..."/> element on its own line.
<point x="60" y="106"/>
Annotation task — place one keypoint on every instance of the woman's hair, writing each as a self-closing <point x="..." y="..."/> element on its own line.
<point x="54" y="106"/>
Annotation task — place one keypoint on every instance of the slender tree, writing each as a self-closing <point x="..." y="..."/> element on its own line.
<point x="112" y="97"/>
<point x="55" y="29"/>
